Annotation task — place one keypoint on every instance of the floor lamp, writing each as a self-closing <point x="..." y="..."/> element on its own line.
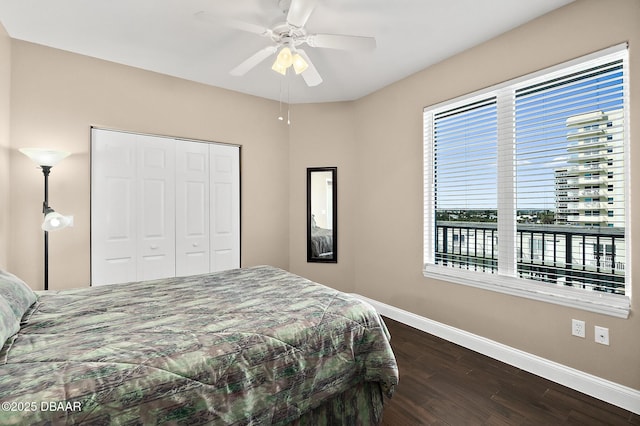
<point x="46" y="159"/>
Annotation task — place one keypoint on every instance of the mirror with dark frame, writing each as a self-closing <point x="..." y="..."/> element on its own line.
<point x="322" y="232"/>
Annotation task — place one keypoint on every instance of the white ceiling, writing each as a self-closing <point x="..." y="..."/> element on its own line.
<point x="165" y="36"/>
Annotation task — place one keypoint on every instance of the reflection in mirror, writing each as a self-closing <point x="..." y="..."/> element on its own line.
<point x="322" y="245"/>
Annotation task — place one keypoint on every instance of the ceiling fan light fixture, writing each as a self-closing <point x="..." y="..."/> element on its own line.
<point x="287" y="37"/>
<point x="283" y="61"/>
<point x="299" y="64"/>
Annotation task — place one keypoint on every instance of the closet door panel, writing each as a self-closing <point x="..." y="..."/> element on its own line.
<point x="156" y="204"/>
<point x="225" y="207"/>
<point x="113" y="195"/>
<point x="192" y="208"/>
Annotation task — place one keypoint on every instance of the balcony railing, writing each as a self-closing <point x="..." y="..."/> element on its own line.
<point x="585" y="257"/>
<point x="603" y="220"/>
<point x="592" y="180"/>
<point x="569" y="197"/>
<point x="584" y="143"/>
<point x="590" y="167"/>
<point x="590" y="205"/>
<point x="591" y="155"/>
<point x="589" y="192"/>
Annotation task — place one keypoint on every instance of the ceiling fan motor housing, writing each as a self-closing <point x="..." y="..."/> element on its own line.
<point x="288" y="35"/>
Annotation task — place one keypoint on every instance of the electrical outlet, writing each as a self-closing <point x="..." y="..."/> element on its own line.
<point x="602" y="335"/>
<point x="577" y="328"/>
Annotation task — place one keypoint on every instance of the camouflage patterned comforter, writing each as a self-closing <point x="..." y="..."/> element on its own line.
<point x="247" y="346"/>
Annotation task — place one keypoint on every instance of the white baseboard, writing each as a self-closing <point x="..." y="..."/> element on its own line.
<point x="605" y="390"/>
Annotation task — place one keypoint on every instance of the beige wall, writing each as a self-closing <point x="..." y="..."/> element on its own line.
<point x="5" y="98"/>
<point x="389" y="192"/>
<point x="58" y="95"/>
<point x="323" y="135"/>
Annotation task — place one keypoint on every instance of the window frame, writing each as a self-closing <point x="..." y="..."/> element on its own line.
<point x="505" y="280"/>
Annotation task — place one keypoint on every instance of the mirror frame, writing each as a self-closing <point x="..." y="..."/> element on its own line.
<point x="334" y="207"/>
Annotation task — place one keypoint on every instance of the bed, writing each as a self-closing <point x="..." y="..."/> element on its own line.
<point x="247" y="346"/>
<point x="321" y="242"/>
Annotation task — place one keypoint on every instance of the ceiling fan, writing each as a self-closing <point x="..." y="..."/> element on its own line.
<point x="287" y="37"/>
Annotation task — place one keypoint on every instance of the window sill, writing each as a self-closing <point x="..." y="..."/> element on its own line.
<point x="602" y="303"/>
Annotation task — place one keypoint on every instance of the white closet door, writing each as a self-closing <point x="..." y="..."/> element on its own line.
<point x="192" y="208"/>
<point x="113" y="204"/>
<point x="225" y="207"/>
<point x="156" y="208"/>
<point x="162" y="207"/>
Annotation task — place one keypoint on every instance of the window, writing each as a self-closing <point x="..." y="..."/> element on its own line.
<point x="514" y="163"/>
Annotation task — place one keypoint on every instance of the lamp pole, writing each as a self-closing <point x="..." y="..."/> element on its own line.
<point x="45" y="159"/>
<point x="45" y="171"/>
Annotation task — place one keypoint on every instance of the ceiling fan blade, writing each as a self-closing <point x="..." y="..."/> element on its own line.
<point x="343" y="42"/>
<point x="310" y="75"/>
<point x="254" y="60"/>
<point x="233" y="23"/>
<point x="299" y="12"/>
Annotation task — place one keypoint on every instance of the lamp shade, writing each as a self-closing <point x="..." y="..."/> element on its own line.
<point x="45" y="157"/>
<point x="54" y="220"/>
<point x="279" y="68"/>
<point x="299" y="64"/>
<point x="285" y="58"/>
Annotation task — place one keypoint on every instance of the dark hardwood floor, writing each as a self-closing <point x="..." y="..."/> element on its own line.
<point x="442" y="383"/>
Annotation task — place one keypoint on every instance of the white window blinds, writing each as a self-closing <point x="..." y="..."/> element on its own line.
<point x="465" y="156"/>
<point x="527" y="180"/>
<point x="569" y="161"/>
